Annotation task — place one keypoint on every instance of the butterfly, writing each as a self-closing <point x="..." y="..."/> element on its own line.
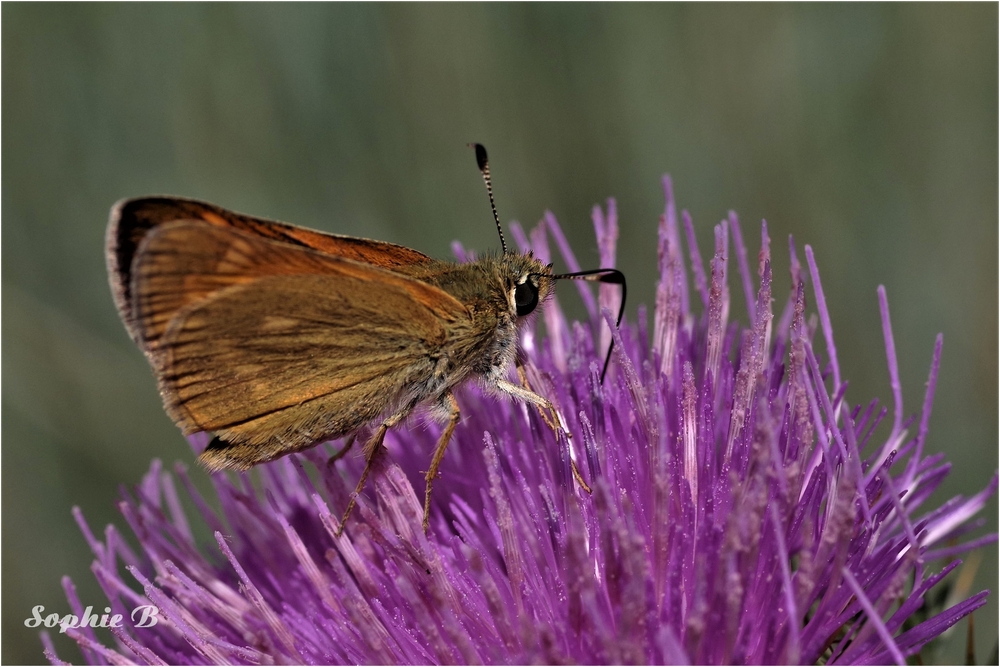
<point x="275" y="338"/>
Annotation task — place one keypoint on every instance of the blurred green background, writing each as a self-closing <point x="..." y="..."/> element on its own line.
<point x="867" y="131"/>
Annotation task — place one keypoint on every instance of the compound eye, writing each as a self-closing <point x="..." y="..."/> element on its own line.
<point x="525" y="298"/>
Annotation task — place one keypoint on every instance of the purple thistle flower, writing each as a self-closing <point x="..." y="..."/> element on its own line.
<point x="739" y="514"/>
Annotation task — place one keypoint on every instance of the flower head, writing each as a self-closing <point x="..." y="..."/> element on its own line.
<point x="740" y="511"/>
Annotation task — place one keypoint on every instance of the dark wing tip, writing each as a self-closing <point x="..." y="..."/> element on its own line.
<point x="219" y="455"/>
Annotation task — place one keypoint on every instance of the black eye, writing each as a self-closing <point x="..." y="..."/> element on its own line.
<point x="525" y="298"/>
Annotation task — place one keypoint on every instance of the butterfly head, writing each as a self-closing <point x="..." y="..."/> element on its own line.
<point x="529" y="283"/>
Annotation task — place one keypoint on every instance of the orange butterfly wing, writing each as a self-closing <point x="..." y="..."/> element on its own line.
<point x="132" y="219"/>
<point x="273" y="337"/>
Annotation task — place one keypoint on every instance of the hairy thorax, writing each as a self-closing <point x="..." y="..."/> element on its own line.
<point x="485" y="346"/>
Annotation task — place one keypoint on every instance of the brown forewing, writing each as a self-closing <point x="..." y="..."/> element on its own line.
<point x="132" y="219"/>
<point x="274" y="347"/>
<point x="181" y="263"/>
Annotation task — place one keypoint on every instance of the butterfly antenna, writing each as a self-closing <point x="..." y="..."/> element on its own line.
<point x="613" y="276"/>
<point x="484" y="166"/>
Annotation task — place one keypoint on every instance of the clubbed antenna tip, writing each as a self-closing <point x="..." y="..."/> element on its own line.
<point x="484" y="166"/>
<point x="481" y="157"/>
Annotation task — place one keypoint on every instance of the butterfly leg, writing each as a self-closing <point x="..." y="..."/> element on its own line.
<point x="372" y="449"/>
<point x="442" y="445"/>
<point x="556" y="422"/>
<point x="552" y="424"/>
<point x="343" y="450"/>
